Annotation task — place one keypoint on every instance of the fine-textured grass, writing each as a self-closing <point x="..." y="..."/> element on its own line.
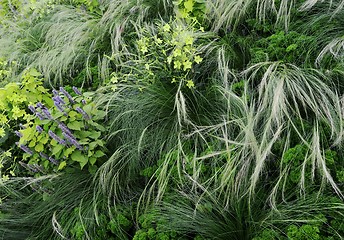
<point x="211" y="159"/>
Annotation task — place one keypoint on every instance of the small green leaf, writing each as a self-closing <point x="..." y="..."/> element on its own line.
<point x="62" y="165"/>
<point x="92" y="160"/>
<point x="68" y="151"/>
<point x="99" y="154"/>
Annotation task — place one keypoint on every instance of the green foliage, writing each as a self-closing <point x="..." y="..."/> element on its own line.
<point x="154" y="228"/>
<point x="192" y="11"/>
<point x="14" y="99"/>
<point x="70" y="136"/>
<point x="287" y="47"/>
<point x="304" y="232"/>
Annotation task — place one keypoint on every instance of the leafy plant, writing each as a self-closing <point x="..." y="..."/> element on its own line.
<point x="66" y="134"/>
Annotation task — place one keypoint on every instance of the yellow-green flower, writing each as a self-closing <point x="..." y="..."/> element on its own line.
<point x="177" y="64"/>
<point x="144" y="49"/>
<point x="190" y="84"/>
<point x="189" y="40"/>
<point x="187" y="65"/>
<point x="2" y="132"/>
<point x="198" y="59"/>
<point x="177" y="52"/>
<point x="166" y="27"/>
<point x="158" y="41"/>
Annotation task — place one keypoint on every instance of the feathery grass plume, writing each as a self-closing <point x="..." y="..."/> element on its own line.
<point x="68" y="38"/>
<point x="335" y="6"/>
<point x="285" y="94"/>
<point x="229" y="14"/>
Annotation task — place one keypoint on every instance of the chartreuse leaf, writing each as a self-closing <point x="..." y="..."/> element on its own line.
<point x="189" y="5"/>
<point x="62" y="165"/>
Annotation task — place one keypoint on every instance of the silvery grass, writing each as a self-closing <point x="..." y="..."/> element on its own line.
<point x="276" y="96"/>
<point x="70" y="37"/>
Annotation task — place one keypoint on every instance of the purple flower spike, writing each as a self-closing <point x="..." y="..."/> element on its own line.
<point x="39" y="129"/>
<point x="32" y="109"/>
<point x="19" y="134"/>
<point x="83" y="101"/>
<point x="67" y="95"/>
<point x="39" y="105"/>
<point x="84" y="114"/>
<point x="72" y="141"/>
<point x="59" y="100"/>
<point x="40" y="116"/>
<point x="53" y="161"/>
<point x="56" y="138"/>
<point x="60" y="108"/>
<point x="76" y="90"/>
<point x="24" y="148"/>
<point x="56" y="93"/>
<point x="47" y="113"/>
<point x="43" y="155"/>
<point x="66" y="130"/>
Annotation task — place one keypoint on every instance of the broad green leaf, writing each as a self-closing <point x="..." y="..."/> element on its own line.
<point x="95" y="134"/>
<point x="75" y="125"/>
<point x="57" y="150"/>
<point x="39" y="147"/>
<point x="77" y="156"/>
<point x="68" y="151"/>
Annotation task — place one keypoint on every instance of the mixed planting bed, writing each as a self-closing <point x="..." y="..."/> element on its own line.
<point x="161" y="119"/>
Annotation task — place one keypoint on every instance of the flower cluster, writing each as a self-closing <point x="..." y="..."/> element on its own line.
<point x="176" y="44"/>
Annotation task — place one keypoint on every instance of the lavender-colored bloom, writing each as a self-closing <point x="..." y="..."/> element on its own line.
<point x="84" y="114"/>
<point x="40" y="116"/>
<point x="76" y="90"/>
<point x="56" y="93"/>
<point x="24" y="148"/>
<point x="60" y="108"/>
<point x="39" y="129"/>
<point x="72" y="141"/>
<point x="53" y="161"/>
<point x="32" y="109"/>
<point x="66" y="130"/>
<point x="47" y="113"/>
<point x="43" y="155"/>
<point x="67" y="95"/>
<point x="59" y="100"/>
<point x="38" y="167"/>
<point x="19" y="134"/>
<point x="39" y="105"/>
<point x="56" y="138"/>
<point x="83" y="101"/>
